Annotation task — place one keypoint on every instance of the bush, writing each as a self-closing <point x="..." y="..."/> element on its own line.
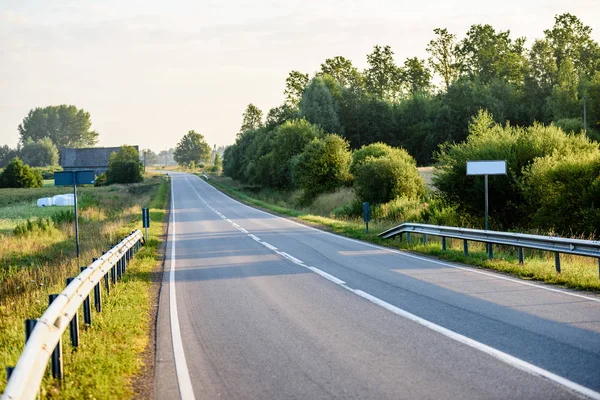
<point x="101" y="180"/>
<point x="564" y="193"/>
<point x="322" y="167"/>
<point x="520" y="147"/>
<point x="20" y="175"/>
<point x="125" y="166"/>
<point x="383" y="173"/>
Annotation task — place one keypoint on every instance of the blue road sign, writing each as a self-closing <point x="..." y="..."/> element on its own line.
<point x="65" y="178"/>
<point x="146" y="217"/>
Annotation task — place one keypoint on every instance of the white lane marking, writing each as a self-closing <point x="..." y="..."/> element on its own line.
<point x="243" y="230"/>
<point x="183" y="375"/>
<point x="254" y="237"/>
<point x="327" y="276"/>
<point x="497" y="354"/>
<point x="291" y="258"/>
<point x="268" y="246"/>
<point x="405" y="254"/>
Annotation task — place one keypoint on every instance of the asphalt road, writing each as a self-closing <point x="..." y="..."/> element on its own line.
<point x="254" y="306"/>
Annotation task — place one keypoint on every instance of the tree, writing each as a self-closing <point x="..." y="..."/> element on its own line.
<point x="42" y="153"/>
<point x="323" y="166"/>
<point x="192" y="147"/>
<point x="66" y="126"/>
<point x="20" y="175"/>
<point x="166" y="157"/>
<point x="416" y="75"/>
<point x="569" y="38"/>
<point x="342" y="70"/>
<point x="251" y="119"/>
<point x="295" y="84"/>
<point x="383" y="77"/>
<point x="149" y="157"/>
<point x="445" y="60"/>
<point x="7" y="154"/>
<point x="489" y="55"/>
<point x="125" y="166"/>
<point x="279" y="115"/>
<point x="319" y="107"/>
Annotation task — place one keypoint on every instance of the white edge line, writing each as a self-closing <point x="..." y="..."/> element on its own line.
<point x="186" y="390"/>
<point x="268" y="246"/>
<point x="403" y="253"/>
<point x="327" y="276"/>
<point x="254" y="237"/>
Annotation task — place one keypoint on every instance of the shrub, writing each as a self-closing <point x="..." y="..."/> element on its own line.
<point x="323" y="166"/>
<point x="563" y="192"/>
<point x="125" y="166"/>
<point x="383" y="173"/>
<point x="520" y="147"/>
<point x="20" y="175"/>
<point x="101" y="180"/>
<point x="400" y="209"/>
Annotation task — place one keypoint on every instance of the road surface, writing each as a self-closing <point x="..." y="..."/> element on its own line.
<point x="254" y="306"/>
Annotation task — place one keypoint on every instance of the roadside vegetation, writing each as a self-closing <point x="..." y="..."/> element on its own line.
<point x="37" y="254"/>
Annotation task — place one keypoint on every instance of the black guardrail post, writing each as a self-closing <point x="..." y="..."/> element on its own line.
<point x="9" y="371"/>
<point x="466" y="247"/>
<point x="74" y="324"/>
<point x="521" y="257"/>
<point x="490" y="250"/>
<point x="29" y="325"/>
<point x="425" y="239"/>
<point x="444" y="243"/>
<point x="557" y="261"/>
<point x="408" y="237"/>
<point x="87" y="307"/>
<point x="119" y="269"/>
<point x="56" y="359"/>
<point x="97" y="298"/>
<point x="113" y="274"/>
<point x="598" y="267"/>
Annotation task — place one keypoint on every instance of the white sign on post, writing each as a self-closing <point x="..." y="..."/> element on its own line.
<point x="486" y="167"/>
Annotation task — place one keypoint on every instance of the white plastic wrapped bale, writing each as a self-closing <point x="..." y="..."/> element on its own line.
<point x="63" y="200"/>
<point x="45" y="202"/>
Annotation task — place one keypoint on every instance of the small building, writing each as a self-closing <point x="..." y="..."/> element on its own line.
<point x="95" y="158"/>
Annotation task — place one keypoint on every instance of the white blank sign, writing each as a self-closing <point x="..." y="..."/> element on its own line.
<point x="486" y="167"/>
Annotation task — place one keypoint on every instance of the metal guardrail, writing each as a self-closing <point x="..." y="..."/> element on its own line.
<point x="43" y="336"/>
<point x="589" y="248"/>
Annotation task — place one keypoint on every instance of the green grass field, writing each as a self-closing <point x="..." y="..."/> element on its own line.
<point x="37" y="263"/>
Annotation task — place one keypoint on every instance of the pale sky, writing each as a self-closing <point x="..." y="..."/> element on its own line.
<point x="148" y="71"/>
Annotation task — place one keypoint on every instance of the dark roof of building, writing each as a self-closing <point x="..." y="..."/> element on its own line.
<point x="92" y="157"/>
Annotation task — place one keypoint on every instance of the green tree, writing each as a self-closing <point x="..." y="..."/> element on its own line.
<point x="125" y="166"/>
<point x="416" y="75"/>
<point x="42" y="153"/>
<point x="323" y="166"/>
<point x="295" y="84"/>
<point x="149" y="157"/>
<point x="192" y="148"/>
<point x="279" y="115"/>
<point x="382" y="173"/>
<point x="489" y="55"/>
<point x="342" y="70"/>
<point x="16" y="174"/>
<point x="319" y="107"/>
<point x="66" y="126"/>
<point x="7" y="154"/>
<point x="289" y="140"/>
<point x="445" y="59"/>
<point x="383" y="78"/>
<point x="251" y="119"/>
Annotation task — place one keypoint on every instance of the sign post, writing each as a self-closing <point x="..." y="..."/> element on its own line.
<point x="485" y="168"/>
<point x="67" y="178"/>
<point x="146" y="220"/>
<point x="366" y="214"/>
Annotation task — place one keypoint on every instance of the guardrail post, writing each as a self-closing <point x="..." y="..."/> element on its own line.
<point x="557" y="261"/>
<point x="123" y="267"/>
<point x="521" y="258"/>
<point x="444" y="243"/>
<point x="9" y="371"/>
<point x="87" y="307"/>
<point x="119" y="269"/>
<point x="97" y="298"/>
<point x="74" y="324"/>
<point x="598" y="267"/>
<point x="113" y="274"/>
<point x="490" y="251"/>
<point x="408" y="237"/>
<point x="425" y="239"/>
<point x="29" y="325"/>
<point x="56" y="359"/>
<point x="465" y="247"/>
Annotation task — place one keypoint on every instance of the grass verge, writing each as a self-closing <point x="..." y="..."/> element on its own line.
<point x="577" y="272"/>
<point x="109" y="355"/>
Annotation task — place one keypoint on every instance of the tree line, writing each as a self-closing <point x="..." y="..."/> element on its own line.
<point x="402" y="105"/>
